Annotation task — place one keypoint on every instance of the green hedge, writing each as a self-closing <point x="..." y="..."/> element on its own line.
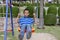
<point x="25" y="4"/>
<point x="15" y="11"/>
<point x="59" y="11"/>
<point x="52" y="10"/>
<point x="22" y="4"/>
<point x="15" y="4"/>
<point x="52" y="4"/>
<point x="35" y="4"/>
<point x="50" y="19"/>
<point x="59" y="14"/>
<point x="31" y="10"/>
<point x="5" y="9"/>
<point x="0" y="9"/>
<point x="1" y="15"/>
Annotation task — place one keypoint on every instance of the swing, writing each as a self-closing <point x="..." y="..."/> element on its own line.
<point x="33" y="29"/>
<point x="9" y="30"/>
<point x="23" y="20"/>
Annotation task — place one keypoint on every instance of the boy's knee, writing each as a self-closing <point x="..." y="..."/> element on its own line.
<point x="29" y="30"/>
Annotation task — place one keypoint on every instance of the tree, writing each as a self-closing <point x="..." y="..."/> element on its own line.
<point x="41" y="20"/>
<point x="3" y="1"/>
<point x="32" y="1"/>
<point x="57" y="1"/>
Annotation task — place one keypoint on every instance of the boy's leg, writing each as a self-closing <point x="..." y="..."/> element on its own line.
<point x="29" y="33"/>
<point x="21" y="35"/>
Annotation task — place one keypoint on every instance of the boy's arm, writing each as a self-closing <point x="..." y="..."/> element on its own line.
<point x="34" y="16"/>
<point x="17" y="19"/>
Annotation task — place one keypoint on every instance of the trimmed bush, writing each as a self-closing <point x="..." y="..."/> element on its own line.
<point x="1" y="10"/>
<point x="52" y="10"/>
<point x="5" y="15"/>
<point x="22" y="4"/>
<point x="59" y="14"/>
<point x="15" y="4"/>
<point x="35" y="4"/>
<point x="25" y="4"/>
<point x="1" y="15"/>
<point x="15" y="11"/>
<point x="31" y="10"/>
<point x="51" y="4"/>
<point x="4" y="9"/>
<point x="50" y="19"/>
<point x="59" y="11"/>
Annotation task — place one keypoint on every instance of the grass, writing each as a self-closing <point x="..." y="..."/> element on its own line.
<point x="54" y="30"/>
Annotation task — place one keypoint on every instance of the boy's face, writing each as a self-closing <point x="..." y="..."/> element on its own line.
<point x="26" y="13"/>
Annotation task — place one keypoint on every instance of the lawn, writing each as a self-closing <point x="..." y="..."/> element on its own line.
<point x="54" y="30"/>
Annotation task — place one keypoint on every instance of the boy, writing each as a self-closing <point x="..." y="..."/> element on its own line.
<point x="25" y="23"/>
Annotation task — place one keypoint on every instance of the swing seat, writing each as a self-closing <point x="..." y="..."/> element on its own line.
<point x="9" y="30"/>
<point x="33" y="29"/>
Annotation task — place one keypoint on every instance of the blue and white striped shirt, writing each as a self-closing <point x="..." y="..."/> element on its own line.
<point x="26" y="20"/>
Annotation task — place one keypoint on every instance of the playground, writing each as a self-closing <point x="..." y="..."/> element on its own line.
<point x="49" y="33"/>
<point x="45" y="20"/>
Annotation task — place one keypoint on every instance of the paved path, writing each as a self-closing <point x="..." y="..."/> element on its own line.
<point x="42" y="36"/>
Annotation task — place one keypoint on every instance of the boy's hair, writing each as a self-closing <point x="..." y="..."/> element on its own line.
<point x="26" y="9"/>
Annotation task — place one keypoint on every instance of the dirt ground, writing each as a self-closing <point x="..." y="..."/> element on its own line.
<point x="42" y="36"/>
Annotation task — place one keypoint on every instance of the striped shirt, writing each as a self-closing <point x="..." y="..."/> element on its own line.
<point x="26" y="20"/>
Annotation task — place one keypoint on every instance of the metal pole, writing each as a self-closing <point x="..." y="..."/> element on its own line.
<point x="6" y="22"/>
<point x="11" y="17"/>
